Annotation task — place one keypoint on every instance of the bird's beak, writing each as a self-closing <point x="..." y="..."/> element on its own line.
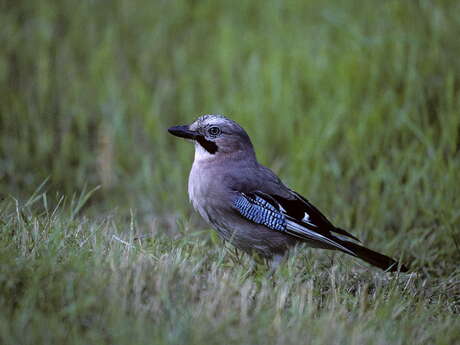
<point x="183" y="132"/>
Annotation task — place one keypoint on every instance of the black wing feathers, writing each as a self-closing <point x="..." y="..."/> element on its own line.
<point x="342" y="232"/>
<point x="298" y="207"/>
<point x="315" y="215"/>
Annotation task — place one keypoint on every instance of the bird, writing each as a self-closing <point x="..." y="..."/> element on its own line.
<point x="250" y="206"/>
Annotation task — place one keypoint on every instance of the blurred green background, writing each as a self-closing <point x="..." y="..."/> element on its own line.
<point x="355" y="104"/>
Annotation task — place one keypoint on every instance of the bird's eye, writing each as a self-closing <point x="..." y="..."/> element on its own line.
<point x="214" y="131"/>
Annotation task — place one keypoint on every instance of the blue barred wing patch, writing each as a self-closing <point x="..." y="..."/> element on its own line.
<point x="260" y="211"/>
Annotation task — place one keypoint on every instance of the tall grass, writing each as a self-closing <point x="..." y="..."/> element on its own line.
<point x="354" y="104"/>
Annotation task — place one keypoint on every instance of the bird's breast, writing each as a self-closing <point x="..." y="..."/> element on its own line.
<point x="207" y="190"/>
<point x="196" y="187"/>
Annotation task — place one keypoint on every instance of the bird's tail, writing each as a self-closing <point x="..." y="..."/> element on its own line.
<point x="382" y="261"/>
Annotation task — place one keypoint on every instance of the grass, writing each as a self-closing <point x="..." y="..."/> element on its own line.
<point x="80" y="281"/>
<point x="355" y="105"/>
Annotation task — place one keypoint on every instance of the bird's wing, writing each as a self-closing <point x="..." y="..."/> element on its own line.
<point x="295" y="205"/>
<point x="279" y="214"/>
<point x="302" y="210"/>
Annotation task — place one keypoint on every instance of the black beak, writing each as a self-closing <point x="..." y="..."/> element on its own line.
<point x="183" y="132"/>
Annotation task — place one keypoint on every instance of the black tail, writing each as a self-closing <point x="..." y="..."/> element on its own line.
<point x="382" y="261"/>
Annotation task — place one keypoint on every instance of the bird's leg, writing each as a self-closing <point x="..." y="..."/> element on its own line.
<point x="274" y="262"/>
<point x="233" y="253"/>
<point x="237" y="255"/>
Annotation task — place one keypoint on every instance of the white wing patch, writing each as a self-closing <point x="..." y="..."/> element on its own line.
<point x="306" y="220"/>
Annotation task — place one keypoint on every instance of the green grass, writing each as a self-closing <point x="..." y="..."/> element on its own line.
<point x="354" y="104"/>
<point x="82" y="281"/>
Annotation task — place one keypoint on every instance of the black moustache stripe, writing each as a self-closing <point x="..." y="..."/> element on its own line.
<point x="209" y="146"/>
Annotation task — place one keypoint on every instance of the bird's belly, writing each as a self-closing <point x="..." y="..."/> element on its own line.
<point x="251" y="237"/>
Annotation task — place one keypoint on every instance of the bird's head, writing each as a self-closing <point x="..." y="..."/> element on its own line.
<point x="215" y="136"/>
